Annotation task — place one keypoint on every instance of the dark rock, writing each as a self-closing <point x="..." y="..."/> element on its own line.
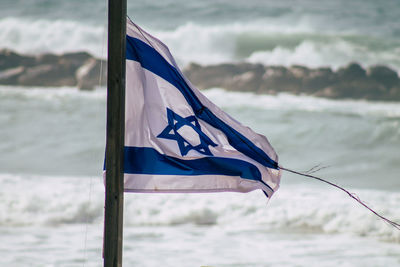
<point x="211" y="76"/>
<point x="318" y="79"/>
<point x="45" y="69"/>
<point x="279" y="78"/>
<point x="10" y="76"/>
<point x="360" y="89"/>
<point x="10" y="59"/>
<point x="299" y="72"/>
<point x="247" y="79"/>
<point x="82" y="70"/>
<point x="76" y="57"/>
<point x="351" y="81"/>
<point x="48" y="75"/>
<point x="87" y="75"/>
<point x="46" y="59"/>
<point x="351" y="72"/>
<point x="247" y="82"/>
<point x="394" y="94"/>
<point x="383" y="75"/>
<point x="258" y="69"/>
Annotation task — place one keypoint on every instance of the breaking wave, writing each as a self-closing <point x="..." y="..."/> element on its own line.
<point x="51" y="201"/>
<point x="271" y="44"/>
<point x="298" y="127"/>
<point x="265" y="42"/>
<point x="288" y="102"/>
<point x="55" y="36"/>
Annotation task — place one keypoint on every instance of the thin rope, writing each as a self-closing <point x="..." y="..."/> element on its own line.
<point x="87" y="222"/>
<point x="141" y="32"/>
<point x="315" y="169"/>
<point x="91" y="177"/>
<point x="352" y="195"/>
<point x="101" y="60"/>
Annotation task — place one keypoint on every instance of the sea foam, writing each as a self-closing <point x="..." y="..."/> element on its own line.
<point x="289" y="102"/>
<point x="262" y="41"/>
<point x="55" y="36"/>
<point x="28" y="200"/>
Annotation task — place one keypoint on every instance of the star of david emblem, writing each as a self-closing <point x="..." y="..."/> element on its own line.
<point x="187" y="133"/>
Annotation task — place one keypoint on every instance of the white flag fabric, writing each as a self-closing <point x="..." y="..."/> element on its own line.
<point x="176" y="140"/>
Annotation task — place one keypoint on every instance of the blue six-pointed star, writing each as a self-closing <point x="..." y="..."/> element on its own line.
<point x="175" y="122"/>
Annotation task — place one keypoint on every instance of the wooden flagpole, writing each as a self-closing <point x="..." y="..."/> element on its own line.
<point x="114" y="197"/>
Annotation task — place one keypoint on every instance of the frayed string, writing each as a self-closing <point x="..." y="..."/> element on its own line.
<point x="352" y="195"/>
<point x="315" y="169"/>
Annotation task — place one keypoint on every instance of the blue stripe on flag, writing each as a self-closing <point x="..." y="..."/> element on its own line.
<point x="151" y="60"/>
<point x="146" y="160"/>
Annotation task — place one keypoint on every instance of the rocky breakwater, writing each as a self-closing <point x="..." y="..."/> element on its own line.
<point x="82" y="70"/>
<point x="70" y="69"/>
<point x="349" y="82"/>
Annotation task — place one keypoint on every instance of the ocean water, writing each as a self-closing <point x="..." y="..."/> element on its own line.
<point x="323" y="33"/>
<point x="52" y="141"/>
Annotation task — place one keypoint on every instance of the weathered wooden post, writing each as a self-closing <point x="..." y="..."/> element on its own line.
<point x="114" y="197"/>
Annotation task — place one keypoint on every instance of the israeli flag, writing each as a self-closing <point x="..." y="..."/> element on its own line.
<point x="176" y="140"/>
